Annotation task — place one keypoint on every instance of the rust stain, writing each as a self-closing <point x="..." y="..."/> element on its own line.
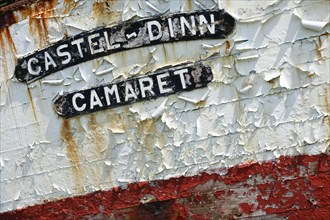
<point x="103" y="12"/>
<point x="190" y="4"/>
<point x="72" y="153"/>
<point x="318" y="47"/>
<point x="3" y="57"/>
<point x="68" y="2"/>
<point x="95" y="134"/>
<point x="79" y="127"/>
<point x="10" y="41"/>
<point x="38" y="16"/>
<point x="273" y="82"/>
<point x="98" y="8"/>
<point x="146" y="133"/>
<point x="227" y="47"/>
<point x="69" y="5"/>
<point x="7" y="19"/>
<point x="32" y="105"/>
<point x="6" y="41"/>
<point x="116" y="123"/>
<point x="16" y="5"/>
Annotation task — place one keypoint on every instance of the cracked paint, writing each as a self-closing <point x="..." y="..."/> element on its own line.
<point x="256" y="190"/>
<point x="253" y="143"/>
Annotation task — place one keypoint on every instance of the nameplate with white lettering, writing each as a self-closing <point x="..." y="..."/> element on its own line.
<point x="212" y="24"/>
<point x="161" y="83"/>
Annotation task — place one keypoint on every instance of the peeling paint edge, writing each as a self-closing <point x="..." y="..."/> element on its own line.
<point x="312" y="171"/>
<point x="17" y="5"/>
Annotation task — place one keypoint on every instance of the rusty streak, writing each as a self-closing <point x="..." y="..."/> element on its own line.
<point x="96" y="134"/>
<point x="6" y="41"/>
<point x="72" y="153"/>
<point x="32" y="105"/>
<point x="38" y="20"/>
<point x="7" y="19"/>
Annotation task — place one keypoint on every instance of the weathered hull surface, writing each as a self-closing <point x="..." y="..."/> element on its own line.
<point x="250" y="140"/>
<point x="293" y="187"/>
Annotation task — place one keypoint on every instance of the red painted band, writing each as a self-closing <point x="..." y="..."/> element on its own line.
<point x="294" y="187"/>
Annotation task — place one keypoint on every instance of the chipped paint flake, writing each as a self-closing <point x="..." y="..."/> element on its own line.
<point x="268" y="100"/>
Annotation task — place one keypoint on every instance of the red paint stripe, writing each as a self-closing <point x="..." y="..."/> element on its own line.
<point x="294" y="187"/>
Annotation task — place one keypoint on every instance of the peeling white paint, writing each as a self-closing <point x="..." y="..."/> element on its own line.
<point x="269" y="97"/>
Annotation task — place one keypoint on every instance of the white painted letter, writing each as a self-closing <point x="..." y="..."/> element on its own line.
<point x="170" y="27"/>
<point x="146" y="88"/>
<point x="108" y="92"/>
<point x="64" y="54"/>
<point x="161" y="83"/>
<point x="151" y="35"/>
<point x="192" y="27"/>
<point x="95" y="100"/>
<point x="30" y="69"/>
<point x="202" y="21"/>
<point x="182" y="79"/>
<point x="107" y="40"/>
<point x="93" y="44"/>
<point x="78" y="44"/>
<point x="129" y="92"/>
<point x="49" y="61"/>
<point x="74" y="103"/>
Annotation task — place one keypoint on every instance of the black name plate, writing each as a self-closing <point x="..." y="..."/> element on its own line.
<point x="213" y="24"/>
<point x="163" y="82"/>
